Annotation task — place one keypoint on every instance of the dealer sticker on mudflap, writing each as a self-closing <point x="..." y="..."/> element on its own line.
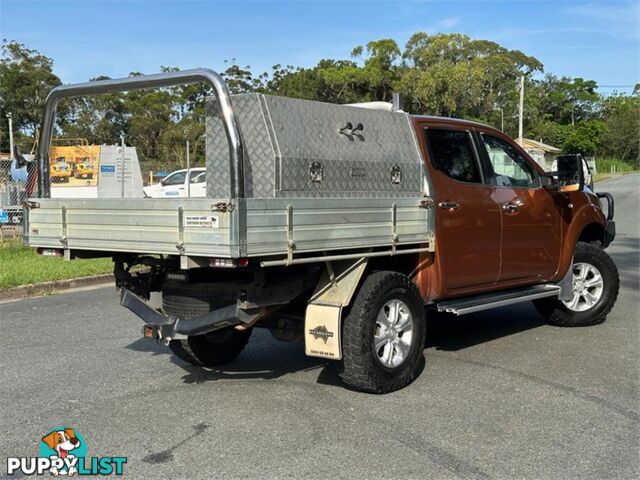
<point x="202" y="221"/>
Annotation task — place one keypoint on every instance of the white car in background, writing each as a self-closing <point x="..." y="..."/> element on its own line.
<point x="175" y="184"/>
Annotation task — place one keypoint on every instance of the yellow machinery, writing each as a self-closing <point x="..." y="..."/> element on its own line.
<point x="74" y="164"/>
<point x="85" y="168"/>
<point x="60" y="171"/>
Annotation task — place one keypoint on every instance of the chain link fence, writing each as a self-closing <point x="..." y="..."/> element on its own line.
<point x="12" y="189"/>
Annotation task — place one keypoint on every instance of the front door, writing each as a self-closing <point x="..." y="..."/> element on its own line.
<point x="467" y="216"/>
<point x="174" y="184"/>
<point x="531" y="227"/>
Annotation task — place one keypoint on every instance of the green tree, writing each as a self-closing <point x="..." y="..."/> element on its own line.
<point x="621" y="115"/>
<point x="453" y="75"/>
<point x="149" y="112"/>
<point x="342" y="81"/>
<point x="551" y="133"/>
<point x="586" y="138"/>
<point x="380" y="70"/>
<point x="240" y="80"/>
<point x="26" y="77"/>
<point x="568" y="100"/>
<point x="443" y="74"/>
<point x="294" y="82"/>
<point x="99" y="119"/>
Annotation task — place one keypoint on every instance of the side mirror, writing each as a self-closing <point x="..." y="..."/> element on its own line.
<point x="570" y="173"/>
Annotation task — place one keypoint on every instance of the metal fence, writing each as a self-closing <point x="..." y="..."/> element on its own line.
<point x="12" y="188"/>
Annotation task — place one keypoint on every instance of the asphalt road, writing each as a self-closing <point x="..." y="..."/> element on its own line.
<point x="503" y="395"/>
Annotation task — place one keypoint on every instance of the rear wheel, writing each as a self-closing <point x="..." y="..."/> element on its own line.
<point x="383" y="335"/>
<point x="211" y="349"/>
<point x="595" y="285"/>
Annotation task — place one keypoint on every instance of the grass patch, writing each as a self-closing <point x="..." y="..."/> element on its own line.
<point x="612" y="165"/>
<point x="598" y="177"/>
<point x="20" y="265"/>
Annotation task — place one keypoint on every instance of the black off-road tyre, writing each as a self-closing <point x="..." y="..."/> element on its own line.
<point x="556" y="313"/>
<point x="360" y="366"/>
<point x="211" y="349"/>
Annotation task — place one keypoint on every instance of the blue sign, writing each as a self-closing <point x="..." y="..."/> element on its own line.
<point x="4" y="216"/>
<point x="107" y="169"/>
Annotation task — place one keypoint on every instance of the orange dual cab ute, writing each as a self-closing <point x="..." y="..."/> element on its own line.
<point x="341" y="226"/>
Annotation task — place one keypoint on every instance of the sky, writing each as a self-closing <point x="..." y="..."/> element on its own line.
<point x="598" y="40"/>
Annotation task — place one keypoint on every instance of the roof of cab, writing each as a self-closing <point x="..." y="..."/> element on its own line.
<point x="460" y="121"/>
<point x="192" y="169"/>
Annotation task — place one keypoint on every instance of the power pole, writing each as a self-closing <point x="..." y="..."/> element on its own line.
<point x="188" y="173"/>
<point x="122" y="146"/>
<point x="10" y="118"/>
<point x="521" y="110"/>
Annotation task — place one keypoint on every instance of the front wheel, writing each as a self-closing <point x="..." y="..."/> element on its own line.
<point x="595" y="285"/>
<point x="383" y="335"/>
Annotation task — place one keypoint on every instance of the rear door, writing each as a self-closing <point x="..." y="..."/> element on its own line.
<point x="531" y="227"/>
<point x="198" y="186"/>
<point x="467" y="215"/>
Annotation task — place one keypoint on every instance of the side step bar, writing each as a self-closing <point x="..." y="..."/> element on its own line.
<point x="463" y="306"/>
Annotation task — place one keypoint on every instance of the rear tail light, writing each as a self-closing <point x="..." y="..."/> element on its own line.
<point x="243" y="262"/>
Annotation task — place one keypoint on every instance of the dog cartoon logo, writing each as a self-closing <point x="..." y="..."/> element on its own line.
<point x="64" y="444"/>
<point x="63" y="451"/>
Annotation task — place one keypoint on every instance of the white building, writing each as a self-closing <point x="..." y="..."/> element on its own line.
<point x="543" y="154"/>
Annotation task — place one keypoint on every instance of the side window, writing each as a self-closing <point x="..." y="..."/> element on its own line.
<point x="175" y="179"/>
<point x="451" y="152"/>
<point x="510" y="167"/>
<point x="197" y="177"/>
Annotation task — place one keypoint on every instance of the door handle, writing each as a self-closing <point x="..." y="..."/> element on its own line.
<point x="510" y="208"/>
<point x="448" y="205"/>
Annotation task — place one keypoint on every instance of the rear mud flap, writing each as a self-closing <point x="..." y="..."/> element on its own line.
<point x="322" y="331"/>
<point x="323" y="318"/>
